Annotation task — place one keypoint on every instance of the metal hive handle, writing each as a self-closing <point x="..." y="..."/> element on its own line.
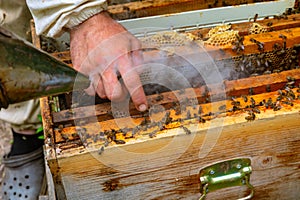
<point x="226" y="174"/>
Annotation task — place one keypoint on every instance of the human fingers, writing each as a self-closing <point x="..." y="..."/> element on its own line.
<point x="132" y="82"/>
<point x="96" y="86"/>
<point x="112" y="87"/>
<point x="136" y="52"/>
<point x="90" y="90"/>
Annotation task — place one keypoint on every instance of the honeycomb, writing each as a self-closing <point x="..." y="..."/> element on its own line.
<point x="256" y="28"/>
<point x="265" y="63"/>
<point x="222" y="38"/>
<point x="219" y="29"/>
<point x="165" y="39"/>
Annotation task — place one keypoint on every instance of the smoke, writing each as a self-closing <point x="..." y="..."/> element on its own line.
<point x="184" y="66"/>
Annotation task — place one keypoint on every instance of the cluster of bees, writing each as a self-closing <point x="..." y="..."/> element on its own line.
<point x="285" y="96"/>
<point x="280" y="59"/>
<point x="188" y="111"/>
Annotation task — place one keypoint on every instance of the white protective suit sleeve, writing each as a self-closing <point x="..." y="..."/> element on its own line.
<point x="52" y="17"/>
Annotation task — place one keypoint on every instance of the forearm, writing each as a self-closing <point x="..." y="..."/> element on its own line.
<point x="53" y="17"/>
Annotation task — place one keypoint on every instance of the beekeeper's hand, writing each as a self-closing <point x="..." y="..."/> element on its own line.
<point x="106" y="52"/>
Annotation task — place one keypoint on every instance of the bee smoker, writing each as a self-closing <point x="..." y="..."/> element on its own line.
<point x="27" y="72"/>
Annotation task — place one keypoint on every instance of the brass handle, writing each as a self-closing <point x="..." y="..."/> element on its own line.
<point x="226" y="174"/>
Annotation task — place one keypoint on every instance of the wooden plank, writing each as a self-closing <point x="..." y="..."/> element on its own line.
<point x="267" y="39"/>
<point x="36" y="41"/>
<point x="275" y="81"/>
<point x="47" y="123"/>
<point x="226" y="52"/>
<point x="51" y="188"/>
<point x="232" y="88"/>
<point x="281" y="26"/>
<point x="167" y="168"/>
<point x="97" y="133"/>
<point x="49" y="147"/>
<point x="159" y="7"/>
<point x="291" y="21"/>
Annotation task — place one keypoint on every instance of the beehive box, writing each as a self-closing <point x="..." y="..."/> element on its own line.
<point x="254" y="114"/>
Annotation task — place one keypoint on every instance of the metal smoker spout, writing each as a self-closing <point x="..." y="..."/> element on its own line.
<point x="28" y="73"/>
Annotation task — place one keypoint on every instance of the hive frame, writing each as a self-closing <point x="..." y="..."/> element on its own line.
<point x="206" y="17"/>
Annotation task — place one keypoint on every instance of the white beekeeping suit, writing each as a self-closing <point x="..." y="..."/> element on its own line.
<point x="52" y="18"/>
<point x="15" y="16"/>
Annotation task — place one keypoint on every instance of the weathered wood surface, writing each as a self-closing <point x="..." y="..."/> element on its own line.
<point x="48" y="184"/>
<point x="231" y="88"/>
<point x="162" y="168"/>
<point x="161" y="7"/>
<point x="49" y="150"/>
<point x="67" y="137"/>
<point x="291" y="21"/>
<point x="288" y="27"/>
<point x="167" y="167"/>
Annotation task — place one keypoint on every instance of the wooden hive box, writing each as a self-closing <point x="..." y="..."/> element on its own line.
<point x="92" y="155"/>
